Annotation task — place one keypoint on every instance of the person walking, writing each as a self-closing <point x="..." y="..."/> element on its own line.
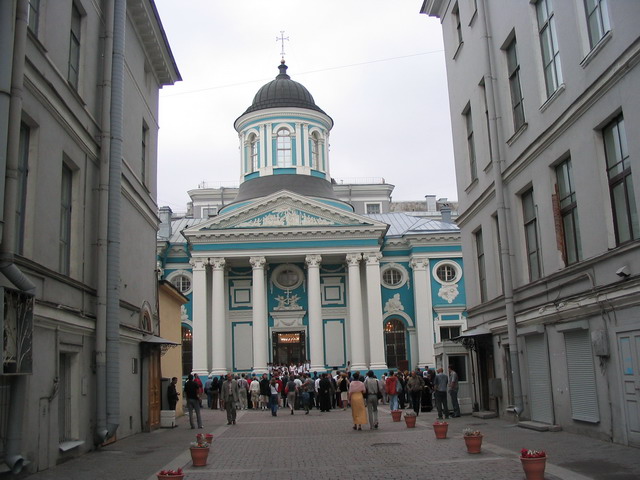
<point x="207" y="391"/>
<point x="355" y="396"/>
<point x="274" y="393"/>
<point x="254" y="388"/>
<point x="243" y="389"/>
<point x="230" y="395"/>
<point x="372" y="387"/>
<point x="453" y="391"/>
<point x="391" y="387"/>
<point x="265" y="392"/>
<point x="343" y="387"/>
<point x="215" y="393"/>
<point x="290" y="390"/>
<point x="415" y="385"/>
<point x="440" y="393"/>
<point x="192" y="393"/>
<point x="172" y="393"/>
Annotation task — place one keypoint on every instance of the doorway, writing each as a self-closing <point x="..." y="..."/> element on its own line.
<point x="289" y="347"/>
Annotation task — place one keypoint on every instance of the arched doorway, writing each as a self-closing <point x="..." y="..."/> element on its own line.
<point x="187" y="350"/>
<point x="395" y="340"/>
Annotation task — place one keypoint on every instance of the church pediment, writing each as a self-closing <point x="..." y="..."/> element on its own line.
<point x="287" y="211"/>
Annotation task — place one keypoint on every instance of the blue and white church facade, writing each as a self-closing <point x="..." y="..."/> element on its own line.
<point x="289" y="269"/>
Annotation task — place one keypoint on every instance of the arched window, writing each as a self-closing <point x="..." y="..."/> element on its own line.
<point x="284" y="148"/>
<point x="253" y="153"/>
<point x="315" y="150"/>
<point x="395" y="343"/>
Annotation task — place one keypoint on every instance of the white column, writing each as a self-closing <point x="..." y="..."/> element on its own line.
<point x="259" y="315"/>
<point x="218" y="318"/>
<point x="199" y="316"/>
<point x="262" y="161"/>
<point x="269" y="136"/>
<point x="374" y="310"/>
<point x="316" y="344"/>
<point x="356" y="324"/>
<point x="243" y="154"/>
<point x="424" y="311"/>
<point x="305" y="143"/>
<point x="299" y="160"/>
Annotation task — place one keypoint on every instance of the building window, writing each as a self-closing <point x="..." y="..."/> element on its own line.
<point x="74" y="47"/>
<point x="253" y="153"/>
<point x="482" y="272"/>
<point x="143" y="154"/>
<point x="182" y="282"/>
<point x="568" y="213"/>
<point x="623" y="202"/>
<point x="65" y="220"/>
<point x="393" y="276"/>
<point x="373" y="208"/>
<point x="23" y="171"/>
<point x="486" y="118"/>
<point x="455" y="12"/>
<point x="459" y="364"/>
<point x="395" y="343"/>
<point x="471" y="143"/>
<point x="315" y="150"/>
<point x="597" y="20"/>
<point x="284" y="148"/>
<point x="447" y="272"/>
<point x="287" y="277"/>
<point x="448" y="333"/>
<point x="187" y="350"/>
<point x="34" y="16"/>
<point x="531" y="235"/>
<point x="549" y="45"/>
<point x="517" y="101"/>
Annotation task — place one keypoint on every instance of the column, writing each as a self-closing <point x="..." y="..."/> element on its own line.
<point x="243" y="154"/>
<point x="218" y="317"/>
<point x="269" y="162"/>
<point x="262" y="161"/>
<point x="316" y="344"/>
<point x="377" y="358"/>
<point x="305" y="143"/>
<point x="259" y="315"/>
<point x="199" y="316"/>
<point x="424" y="311"/>
<point x="356" y="324"/>
<point x="298" y="137"/>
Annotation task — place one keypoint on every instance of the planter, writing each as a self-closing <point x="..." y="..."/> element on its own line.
<point x="440" y="430"/>
<point x="534" y="467"/>
<point x="396" y="415"/>
<point x="208" y="438"/>
<point x="199" y="456"/>
<point x="170" y="477"/>
<point x="473" y="442"/>
<point x="410" y="420"/>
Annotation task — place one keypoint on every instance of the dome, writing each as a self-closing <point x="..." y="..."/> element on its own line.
<point x="283" y="92"/>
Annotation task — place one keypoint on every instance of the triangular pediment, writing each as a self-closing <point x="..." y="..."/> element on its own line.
<point x="284" y="210"/>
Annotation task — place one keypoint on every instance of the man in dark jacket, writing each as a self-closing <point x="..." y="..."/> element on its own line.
<point x="192" y="393"/>
<point x="265" y="392"/>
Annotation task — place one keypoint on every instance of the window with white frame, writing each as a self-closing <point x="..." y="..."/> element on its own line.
<point x="568" y="207"/>
<point x="623" y="202"/>
<point x="253" y="153"/>
<point x="373" y="207"/>
<point x="283" y="145"/>
<point x="315" y="150"/>
<point x="597" y="20"/>
<point x="182" y="281"/>
<point x="447" y="272"/>
<point x="549" y="45"/>
<point x="517" y="100"/>
<point x="393" y="275"/>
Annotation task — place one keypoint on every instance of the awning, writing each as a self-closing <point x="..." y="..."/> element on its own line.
<point x="158" y="340"/>
<point x="475" y="331"/>
<point x="470" y="338"/>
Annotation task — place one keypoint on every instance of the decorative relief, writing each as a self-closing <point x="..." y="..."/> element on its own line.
<point x="449" y="292"/>
<point x="394" y="304"/>
<point x="288" y="302"/>
<point x="184" y="317"/>
<point x="285" y="216"/>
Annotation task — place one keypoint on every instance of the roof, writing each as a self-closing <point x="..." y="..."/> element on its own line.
<point x="401" y="224"/>
<point x="180" y="224"/>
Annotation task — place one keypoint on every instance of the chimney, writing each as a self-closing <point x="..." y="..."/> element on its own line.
<point x="431" y="203"/>
<point x="164" y="230"/>
<point x="445" y="211"/>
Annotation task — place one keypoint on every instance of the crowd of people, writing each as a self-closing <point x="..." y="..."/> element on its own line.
<point x="293" y="387"/>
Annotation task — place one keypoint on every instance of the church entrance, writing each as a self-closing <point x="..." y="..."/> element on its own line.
<point x="396" y="344"/>
<point x="289" y="347"/>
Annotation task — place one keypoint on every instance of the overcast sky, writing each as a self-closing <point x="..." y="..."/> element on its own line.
<point x="375" y="66"/>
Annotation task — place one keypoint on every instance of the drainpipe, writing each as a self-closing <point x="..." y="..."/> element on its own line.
<point x="13" y="457"/>
<point x="505" y="253"/>
<point x="103" y="199"/>
<point x="113" y="233"/>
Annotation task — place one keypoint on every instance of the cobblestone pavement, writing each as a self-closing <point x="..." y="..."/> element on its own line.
<point x="286" y="447"/>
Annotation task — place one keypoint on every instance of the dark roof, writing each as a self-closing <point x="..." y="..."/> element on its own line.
<point x="300" y="184"/>
<point x="283" y="92"/>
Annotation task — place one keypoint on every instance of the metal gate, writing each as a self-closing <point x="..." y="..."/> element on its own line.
<point x="541" y="401"/>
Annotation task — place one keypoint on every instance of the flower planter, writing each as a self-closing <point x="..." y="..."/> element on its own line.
<point x="410" y="420"/>
<point x="473" y="442"/>
<point x="534" y="467"/>
<point x="208" y="438"/>
<point x="170" y="477"/>
<point x="440" y="430"/>
<point x="199" y="456"/>
<point x="396" y="415"/>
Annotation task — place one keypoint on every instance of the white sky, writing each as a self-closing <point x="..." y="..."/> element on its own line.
<point x="375" y="66"/>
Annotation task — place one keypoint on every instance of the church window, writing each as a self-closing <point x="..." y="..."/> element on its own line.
<point x="253" y="152"/>
<point x="447" y="272"/>
<point x="373" y="208"/>
<point x="181" y="280"/>
<point x="315" y="150"/>
<point x="395" y="343"/>
<point x="287" y="277"/>
<point x="284" y="148"/>
<point x="392" y="276"/>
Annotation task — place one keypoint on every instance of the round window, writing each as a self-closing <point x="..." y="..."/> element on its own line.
<point x="393" y="276"/>
<point x="287" y="277"/>
<point x="182" y="282"/>
<point x="447" y="272"/>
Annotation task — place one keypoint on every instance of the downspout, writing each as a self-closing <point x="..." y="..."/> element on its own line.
<point x="113" y="231"/>
<point x="505" y="252"/>
<point x="13" y="457"/>
<point x="103" y="200"/>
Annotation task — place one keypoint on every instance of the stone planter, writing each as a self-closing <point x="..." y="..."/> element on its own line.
<point x="473" y="442"/>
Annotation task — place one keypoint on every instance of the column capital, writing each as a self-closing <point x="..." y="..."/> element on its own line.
<point x="257" y="262"/>
<point x="419" y="263"/>
<point x="372" y="258"/>
<point x="313" y="260"/>
<point x="217" y="263"/>
<point x="353" y="259"/>
<point x="198" y="263"/>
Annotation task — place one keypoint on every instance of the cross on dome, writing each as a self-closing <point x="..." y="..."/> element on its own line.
<point x="281" y="39"/>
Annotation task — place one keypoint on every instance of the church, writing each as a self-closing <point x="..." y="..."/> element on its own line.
<point x="293" y="267"/>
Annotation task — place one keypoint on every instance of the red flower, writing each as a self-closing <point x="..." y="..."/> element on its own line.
<point x="525" y="453"/>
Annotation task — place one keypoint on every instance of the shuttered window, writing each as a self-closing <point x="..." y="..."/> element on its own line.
<point x="539" y="381"/>
<point x="582" y="380"/>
